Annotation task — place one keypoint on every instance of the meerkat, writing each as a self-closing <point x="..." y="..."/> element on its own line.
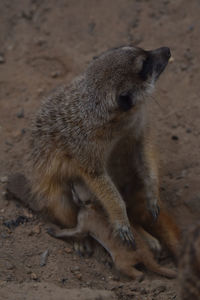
<point x="189" y="266"/>
<point x="92" y="221"/>
<point x="82" y="127"/>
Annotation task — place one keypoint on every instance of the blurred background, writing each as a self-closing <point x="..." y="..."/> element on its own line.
<point x="46" y="43"/>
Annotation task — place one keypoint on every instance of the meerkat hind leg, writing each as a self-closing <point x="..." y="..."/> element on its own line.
<point x="65" y="233"/>
<point x="82" y="244"/>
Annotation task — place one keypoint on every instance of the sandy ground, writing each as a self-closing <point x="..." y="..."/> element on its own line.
<point x="46" y="43"/>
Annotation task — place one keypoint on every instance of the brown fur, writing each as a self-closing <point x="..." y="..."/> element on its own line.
<point x="189" y="265"/>
<point x="93" y="222"/>
<point x="80" y="129"/>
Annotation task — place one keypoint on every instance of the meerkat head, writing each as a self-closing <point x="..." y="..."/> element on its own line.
<point x="124" y="75"/>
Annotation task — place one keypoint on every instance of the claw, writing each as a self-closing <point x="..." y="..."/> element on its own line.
<point x="126" y="235"/>
<point x="155" y="215"/>
<point x="154" y="211"/>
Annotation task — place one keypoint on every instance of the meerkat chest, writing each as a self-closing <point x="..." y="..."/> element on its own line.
<point x="132" y="124"/>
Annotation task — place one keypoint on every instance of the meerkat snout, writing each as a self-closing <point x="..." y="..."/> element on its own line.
<point x="155" y="63"/>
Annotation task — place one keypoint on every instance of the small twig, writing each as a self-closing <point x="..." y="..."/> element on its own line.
<point x="43" y="258"/>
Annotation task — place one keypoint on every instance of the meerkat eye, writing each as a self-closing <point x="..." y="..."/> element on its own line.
<point x="125" y="101"/>
<point x="147" y="68"/>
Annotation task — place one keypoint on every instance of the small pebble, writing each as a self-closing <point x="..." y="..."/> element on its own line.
<point x="134" y="289"/>
<point x="116" y="278"/>
<point x="74" y="269"/>
<point x="3" y="235"/>
<point x="174" y="126"/>
<point x="36" y="229"/>
<point x="2" y="283"/>
<point x="9" y="277"/>
<point x="4" y="193"/>
<point x="9" y="266"/>
<point x="55" y="74"/>
<point x="40" y="91"/>
<point x="8" y="143"/>
<point x="2" y="59"/>
<point x="68" y="250"/>
<point x="91" y="27"/>
<point x="40" y="42"/>
<point x="175" y="137"/>
<point x="78" y="276"/>
<point x="20" y="114"/>
<point x="188" y="130"/>
<point x="114" y="287"/>
<point x="43" y="258"/>
<point x="27" y="214"/>
<point x="4" y="179"/>
<point x="184" y="67"/>
<point x="23" y="131"/>
<point x="191" y="28"/>
<point x="159" y="290"/>
<point x="16" y="134"/>
<point x="64" y="280"/>
<point x="34" y="276"/>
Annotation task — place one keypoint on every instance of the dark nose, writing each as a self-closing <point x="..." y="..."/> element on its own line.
<point x="166" y="52"/>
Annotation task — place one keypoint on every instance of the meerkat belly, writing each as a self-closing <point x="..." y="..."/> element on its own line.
<point x="122" y="168"/>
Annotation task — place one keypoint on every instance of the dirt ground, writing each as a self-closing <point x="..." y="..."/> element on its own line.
<point x="46" y="43"/>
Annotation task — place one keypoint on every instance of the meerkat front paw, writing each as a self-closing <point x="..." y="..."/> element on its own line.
<point x="154" y="210"/>
<point x="125" y="234"/>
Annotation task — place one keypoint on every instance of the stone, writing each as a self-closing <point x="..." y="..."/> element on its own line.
<point x="4" y="179"/>
<point x="68" y="250"/>
<point x="36" y="229"/>
<point x="74" y="269"/>
<point x="34" y="276"/>
<point x="2" y="59"/>
<point x="78" y="276"/>
<point x="20" y="113"/>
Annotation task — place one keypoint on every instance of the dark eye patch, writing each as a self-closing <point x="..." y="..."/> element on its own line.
<point x="125" y="101"/>
<point x="147" y="68"/>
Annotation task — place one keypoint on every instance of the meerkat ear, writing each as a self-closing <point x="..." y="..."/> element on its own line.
<point x="125" y="101"/>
